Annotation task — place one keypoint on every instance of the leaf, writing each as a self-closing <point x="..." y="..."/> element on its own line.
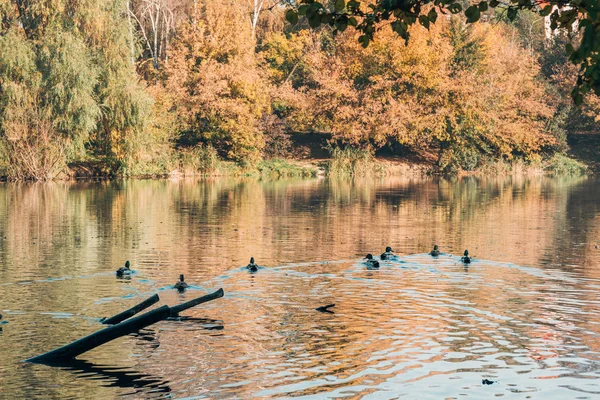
<point x="363" y="40"/>
<point x="432" y="15"/>
<point x="511" y="13"/>
<point x="472" y="13"/>
<point x="314" y="21"/>
<point x="483" y="6"/>
<point x="339" y="5"/>
<point x="352" y="22"/>
<point x="291" y="16"/>
<point x="570" y="49"/>
<point x="546" y="11"/>
<point x="577" y="96"/>
<point x="423" y="20"/>
<point x="455" y="8"/>
<point x="353" y="4"/>
<point x="302" y="9"/>
<point x="341" y="25"/>
<point x="494" y="3"/>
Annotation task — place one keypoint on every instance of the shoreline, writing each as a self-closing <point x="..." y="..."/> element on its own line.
<point x="376" y="167"/>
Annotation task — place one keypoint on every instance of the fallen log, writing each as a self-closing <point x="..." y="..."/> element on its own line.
<point x="192" y="303"/>
<point x="96" y="339"/>
<point x="132" y="311"/>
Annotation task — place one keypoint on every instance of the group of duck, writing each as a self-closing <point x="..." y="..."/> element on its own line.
<point x="370" y="262"/>
<point x="180" y="285"/>
<point x="388" y="254"/>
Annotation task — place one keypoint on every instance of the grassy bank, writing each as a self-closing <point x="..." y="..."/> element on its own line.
<point x="342" y="163"/>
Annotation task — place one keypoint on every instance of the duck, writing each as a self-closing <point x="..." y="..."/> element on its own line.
<point x="465" y="258"/>
<point x="2" y="322"/>
<point x="252" y="267"/>
<point x="435" y="252"/>
<point x="371" y="262"/>
<point x="181" y="285"/>
<point x="124" y="270"/>
<point x="387" y="255"/>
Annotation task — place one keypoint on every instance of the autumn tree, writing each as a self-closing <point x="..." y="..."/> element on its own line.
<point x="451" y="89"/>
<point x="213" y="74"/>
<point x="370" y="16"/>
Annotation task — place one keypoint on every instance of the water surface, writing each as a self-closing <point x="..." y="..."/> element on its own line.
<point x="524" y="314"/>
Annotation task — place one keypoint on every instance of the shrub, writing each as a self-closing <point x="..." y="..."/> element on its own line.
<point x="560" y="164"/>
<point x="351" y="161"/>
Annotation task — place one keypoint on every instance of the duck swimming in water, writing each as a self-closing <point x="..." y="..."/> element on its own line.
<point x="435" y="252"/>
<point x="371" y="262"/>
<point x="252" y="267"/>
<point x="387" y="255"/>
<point x="124" y="270"/>
<point x="465" y="258"/>
<point x="181" y="285"/>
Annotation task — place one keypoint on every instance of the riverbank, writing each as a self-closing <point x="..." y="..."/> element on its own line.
<point x="353" y="167"/>
<point x="582" y="157"/>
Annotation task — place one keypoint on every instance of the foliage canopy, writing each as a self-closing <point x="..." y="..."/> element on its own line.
<point x="367" y="17"/>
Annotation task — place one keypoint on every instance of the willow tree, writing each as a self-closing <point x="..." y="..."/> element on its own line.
<point x="68" y="86"/>
<point x="46" y="101"/>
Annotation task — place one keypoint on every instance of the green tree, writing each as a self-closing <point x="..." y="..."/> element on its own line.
<point x="66" y="75"/>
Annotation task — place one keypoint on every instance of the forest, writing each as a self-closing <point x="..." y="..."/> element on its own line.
<point x="157" y="87"/>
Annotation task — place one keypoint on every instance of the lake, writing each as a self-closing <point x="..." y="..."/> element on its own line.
<point x="524" y="315"/>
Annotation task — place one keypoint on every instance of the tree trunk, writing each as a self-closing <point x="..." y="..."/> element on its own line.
<point x="132" y="311"/>
<point x="96" y="339"/>
<point x="182" y="307"/>
<point x="131" y="45"/>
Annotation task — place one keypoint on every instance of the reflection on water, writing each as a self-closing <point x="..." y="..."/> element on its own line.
<point x="524" y="314"/>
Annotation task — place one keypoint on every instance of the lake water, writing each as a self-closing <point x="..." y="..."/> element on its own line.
<point x="524" y="314"/>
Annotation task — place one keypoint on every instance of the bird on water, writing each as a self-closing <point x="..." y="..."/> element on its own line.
<point x="252" y="267"/>
<point x="126" y="270"/>
<point x="181" y="285"/>
<point x="465" y="258"/>
<point x="371" y="262"/>
<point x="435" y="252"/>
<point x="388" y="254"/>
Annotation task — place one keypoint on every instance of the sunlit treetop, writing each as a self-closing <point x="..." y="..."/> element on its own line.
<point x="367" y="17"/>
